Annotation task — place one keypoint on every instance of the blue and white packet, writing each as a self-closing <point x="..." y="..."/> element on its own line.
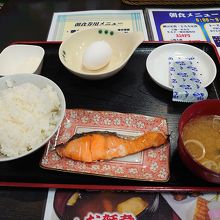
<point x="184" y="79"/>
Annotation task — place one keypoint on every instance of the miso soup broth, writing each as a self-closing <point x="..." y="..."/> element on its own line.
<point x="201" y="136"/>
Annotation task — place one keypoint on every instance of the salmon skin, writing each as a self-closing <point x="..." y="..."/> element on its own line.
<point x="95" y="146"/>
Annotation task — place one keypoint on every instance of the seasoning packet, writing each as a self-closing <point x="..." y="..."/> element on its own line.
<point x="185" y="81"/>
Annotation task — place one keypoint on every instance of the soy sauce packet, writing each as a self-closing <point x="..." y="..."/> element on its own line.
<point x="184" y="78"/>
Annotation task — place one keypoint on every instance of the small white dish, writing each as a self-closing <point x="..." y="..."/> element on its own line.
<point x="158" y="66"/>
<point x="20" y="59"/>
<point x="41" y="82"/>
<point x="122" y="44"/>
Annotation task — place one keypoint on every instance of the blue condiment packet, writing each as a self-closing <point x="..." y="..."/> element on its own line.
<point x="184" y="79"/>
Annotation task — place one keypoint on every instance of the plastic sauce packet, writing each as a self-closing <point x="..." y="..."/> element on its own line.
<point x="184" y="78"/>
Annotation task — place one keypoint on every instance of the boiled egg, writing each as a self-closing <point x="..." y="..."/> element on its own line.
<point x="97" y="55"/>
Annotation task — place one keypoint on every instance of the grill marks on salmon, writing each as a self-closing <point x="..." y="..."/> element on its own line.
<point x="95" y="146"/>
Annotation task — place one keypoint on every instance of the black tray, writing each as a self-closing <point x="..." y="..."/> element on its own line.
<point x="131" y="90"/>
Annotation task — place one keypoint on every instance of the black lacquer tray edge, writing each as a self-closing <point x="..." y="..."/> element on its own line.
<point x="162" y="188"/>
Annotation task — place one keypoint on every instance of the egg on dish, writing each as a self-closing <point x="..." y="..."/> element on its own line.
<point x="97" y="55"/>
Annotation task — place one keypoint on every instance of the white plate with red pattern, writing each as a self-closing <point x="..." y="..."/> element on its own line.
<point x="148" y="165"/>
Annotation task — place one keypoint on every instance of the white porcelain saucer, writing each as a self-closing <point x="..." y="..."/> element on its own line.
<point x="158" y="66"/>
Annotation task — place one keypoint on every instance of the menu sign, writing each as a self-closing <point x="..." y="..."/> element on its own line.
<point x="72" y="204"/>
<point x="185" y="25"/>
<point x="105" y="205"/>
<point x="65" y="23"/>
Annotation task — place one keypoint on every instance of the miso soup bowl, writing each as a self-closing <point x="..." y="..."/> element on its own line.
<point x="206" y="107"/>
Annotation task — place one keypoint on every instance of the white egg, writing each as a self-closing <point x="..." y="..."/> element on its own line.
<point x="97" y="55"/>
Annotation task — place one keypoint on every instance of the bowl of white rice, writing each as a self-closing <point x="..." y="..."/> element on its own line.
<point x="32" y="108"/>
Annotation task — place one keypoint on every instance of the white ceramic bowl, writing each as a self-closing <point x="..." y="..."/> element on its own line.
<point x="21" y="58"/>
<point x="41" y="82"/>
<point x="123" y="45"/>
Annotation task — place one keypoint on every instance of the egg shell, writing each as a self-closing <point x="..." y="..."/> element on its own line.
<point x="97" y="55"/>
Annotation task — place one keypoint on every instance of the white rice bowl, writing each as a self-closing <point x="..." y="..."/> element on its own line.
<point x="32" y="108"/>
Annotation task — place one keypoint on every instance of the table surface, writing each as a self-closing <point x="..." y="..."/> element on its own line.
<point x="29" y="20"/>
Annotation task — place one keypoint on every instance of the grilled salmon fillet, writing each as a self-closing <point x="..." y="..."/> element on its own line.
<point x="95" y="146"/>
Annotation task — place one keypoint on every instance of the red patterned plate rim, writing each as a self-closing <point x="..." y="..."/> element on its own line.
<point x="148" y="165"/>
